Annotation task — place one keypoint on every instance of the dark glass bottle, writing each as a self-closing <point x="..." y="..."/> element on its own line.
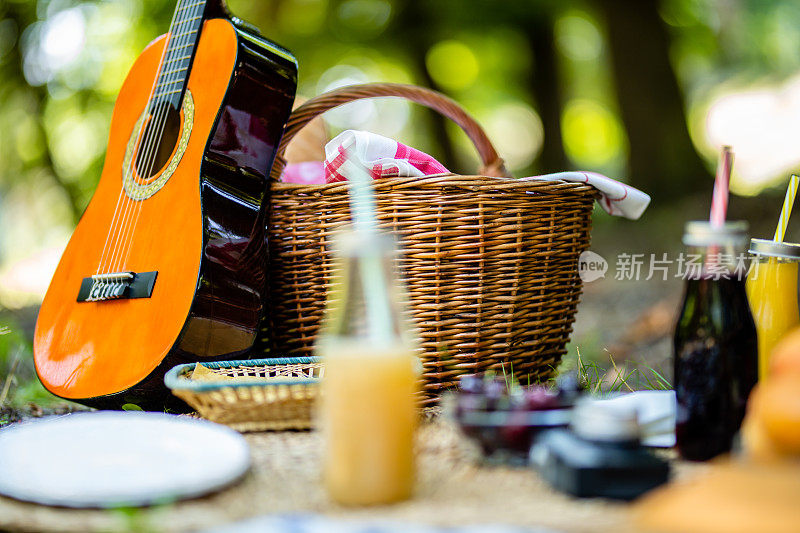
<point x="715" y="348"/>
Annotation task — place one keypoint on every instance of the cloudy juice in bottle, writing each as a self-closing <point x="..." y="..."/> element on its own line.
<point x="368" y="407"/>
<point x="370" y="420"/>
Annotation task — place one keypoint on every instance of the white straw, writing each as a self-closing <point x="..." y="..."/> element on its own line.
<point x="365" y="222"/>
<point x="362" y="198"/>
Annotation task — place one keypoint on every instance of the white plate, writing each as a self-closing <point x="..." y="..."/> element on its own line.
<point x="110" y="458"/>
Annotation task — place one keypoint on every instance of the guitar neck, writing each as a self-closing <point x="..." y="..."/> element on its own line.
<point x="184" y="33"/>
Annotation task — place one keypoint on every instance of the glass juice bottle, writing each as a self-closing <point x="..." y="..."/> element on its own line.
<point x="368" y="408"/>
<point x="715" y="345"/>
<point x="772" y="291"/>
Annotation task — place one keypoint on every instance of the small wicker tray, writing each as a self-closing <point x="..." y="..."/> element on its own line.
<point x="284" y="401"/>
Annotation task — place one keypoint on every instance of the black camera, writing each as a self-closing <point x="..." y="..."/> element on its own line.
<point x="600" y="455"/>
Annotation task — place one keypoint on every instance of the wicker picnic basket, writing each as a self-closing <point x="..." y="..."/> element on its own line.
<point x="490" y="262"/>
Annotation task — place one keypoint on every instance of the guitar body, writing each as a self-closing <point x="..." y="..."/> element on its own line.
<point x="201" y="231"/>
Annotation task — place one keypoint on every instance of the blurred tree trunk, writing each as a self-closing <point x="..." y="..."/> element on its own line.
<point x="544" y="85"/>
<point x="418" y="22"/>
<point x="663" y="161"/>
<point x="416" y="27"/>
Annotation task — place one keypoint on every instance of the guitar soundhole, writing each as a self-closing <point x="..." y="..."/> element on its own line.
<point x="160" y="135"/>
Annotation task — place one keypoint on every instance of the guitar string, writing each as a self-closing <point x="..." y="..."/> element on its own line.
<point x="144" y="144"/>
<point x="122" y="194"/>
<point x="149" y="149"/>
<point x="112" y="235"/>
<point x="148" y="144"/>
<point x="189" y="38"/>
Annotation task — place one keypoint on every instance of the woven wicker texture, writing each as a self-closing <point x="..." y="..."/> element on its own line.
<point x="257" y="406"/>
<point x="490" y="263"/>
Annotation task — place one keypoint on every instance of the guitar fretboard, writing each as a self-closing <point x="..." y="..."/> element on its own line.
<point x="183" y="34"/>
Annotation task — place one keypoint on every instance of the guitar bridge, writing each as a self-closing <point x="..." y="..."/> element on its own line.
<point x="117" y="286"/>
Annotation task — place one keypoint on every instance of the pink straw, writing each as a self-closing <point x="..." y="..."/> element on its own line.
<point x="719" y="202"/>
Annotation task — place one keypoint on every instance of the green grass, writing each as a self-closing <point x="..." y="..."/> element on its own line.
<point x="19" y="386"/>
<point x="142" y="519"/>
<point x="600" y="377"/>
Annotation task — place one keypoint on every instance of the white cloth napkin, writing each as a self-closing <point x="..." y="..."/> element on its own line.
<point x="615" y="198"/>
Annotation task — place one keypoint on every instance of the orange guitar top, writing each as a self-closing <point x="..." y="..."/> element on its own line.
<point x="90" y="349"/>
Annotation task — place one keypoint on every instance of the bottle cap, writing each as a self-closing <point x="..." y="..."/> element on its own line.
<point x="605" y="422"/>
<point x="770" y="248"/>
<point x="702" y="233"/>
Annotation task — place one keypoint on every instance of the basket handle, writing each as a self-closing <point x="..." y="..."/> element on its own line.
<point x="492" y="164"/>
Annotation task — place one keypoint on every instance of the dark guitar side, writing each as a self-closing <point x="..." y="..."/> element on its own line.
<point x="229" y="304"/>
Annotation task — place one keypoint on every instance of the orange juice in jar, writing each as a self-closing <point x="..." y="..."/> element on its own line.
<point x="369" y="417"/>
<point x="772" y="293"/>
<point x="368" y="408"/>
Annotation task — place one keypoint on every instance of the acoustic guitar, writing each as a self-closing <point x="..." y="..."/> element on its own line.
<point x="167" y="263"/>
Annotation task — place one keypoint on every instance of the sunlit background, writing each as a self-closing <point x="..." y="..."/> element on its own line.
<point x="644" y="91"/>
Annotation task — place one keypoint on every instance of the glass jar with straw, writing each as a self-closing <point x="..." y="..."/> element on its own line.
<point x="368" y="408"/>
<point x="772" y="284"/>
<point x="715" y="348"/>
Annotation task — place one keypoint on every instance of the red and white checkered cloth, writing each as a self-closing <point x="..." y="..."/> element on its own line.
<point x="384" y="158"/>
<point x="381" y="157"/>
